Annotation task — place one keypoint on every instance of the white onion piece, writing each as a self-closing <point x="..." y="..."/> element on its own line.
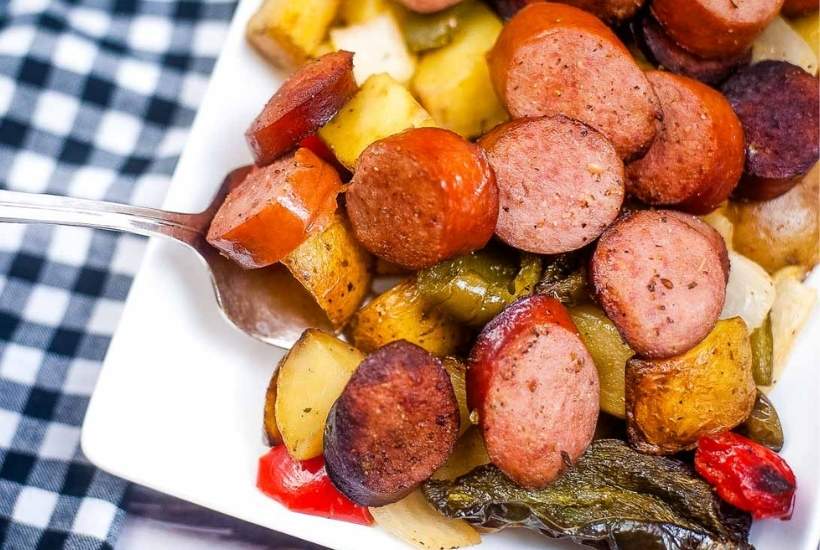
<point x="792" y="308"/>
<point x="779" y="41"/>
<point x="378" y="47"/>
<point x="722" y="225"/>
<point x="749" y="293"/>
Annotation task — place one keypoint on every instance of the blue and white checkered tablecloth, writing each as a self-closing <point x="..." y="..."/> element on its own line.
<point x="96" y="98"/>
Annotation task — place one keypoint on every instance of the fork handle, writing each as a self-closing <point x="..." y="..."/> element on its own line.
<point x="21" y="207"/>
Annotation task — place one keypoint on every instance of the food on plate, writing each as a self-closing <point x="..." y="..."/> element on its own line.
<point x="763" y="424"/>
<point x="661" y="277"/>
<point x="715" y="29"/>
<point x="609" y="353"/>
<point x="236" y="176"/>
<point x="560" y="183"/>
<point x="612" y="497"/>
<point x="781" y="42"/>
<point x="808" y="27"/>
<point x="275" y="209"/>
<point x="781" y="231"/>
<point x="747" y="475"/>
<point x="457" y="371"/>
<point x="670" y="403"/>
<point x="469" y="453"/>
<point x="777" y="105"/>
<point x="378" y="48"/>
<point x="556" y="59"/>
<point x="535" y="312"/>
<point x="663" y="51"/>
<point x="382" y="107"/>
<point x="429" y="31"/>
<point x="394" y="424"/>
<point x="304" y="486"/>
<point x="793" y="303"/>
<point x="422" y="196"/>
<point x="697" y="158"/>
<point x="306" y="101"/>
<point x="474" y="288"/>
<point x="749" y="292"/>
<point x="286" y="33"/>
<point x="529" y="362"/>
<point x="334" y="268"/>
<point x="414" y="520"/>
<point x="401" y="313"/>
<point x="453" y="82"/>
<point x="308" y="381"/>
<point x="796" y="8"/>
<point x="427" y="6"/>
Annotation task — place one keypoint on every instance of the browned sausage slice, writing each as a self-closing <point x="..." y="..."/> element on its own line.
<point x="535" y="388"/>
<point x="665" y="52"/>
<point x="560" y="183"/>
<point x="613" y="12"/>
<point x="696" y="160"/>
<point x="427" y="6"/>
<point x="661" y="279"/>
<point x="777" y="105"/>
<point x="274" y="209"/>
<point x="395" y="423"/>
<point x="715" y="28"/>
<point x="306" y="101"/>
<point x="555" y="59"/>
<point x="422" y="196"/>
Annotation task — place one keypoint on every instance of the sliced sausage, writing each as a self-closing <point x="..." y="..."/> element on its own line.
<point x="395" y="423"/>
<point x="797" y="8"/>
<point x="427" y="6"/>
<point x="710" y="234"/>
<point x="422" y="196"/>
<point x="236" y="176"/>
<point x="697" y="158"/>
<point x="715" y="29"/>
<point x="535" y="388"/>
<point x="274" y="209"/>
<point x="560" y="183"/>
<point x="777" y="105"/>
<point x="661" y="279"/>
<point x="306" y="101"/>
<point x="665" y="52"/>
<point x="613" y="12"/>
<point x="556" y="59"/>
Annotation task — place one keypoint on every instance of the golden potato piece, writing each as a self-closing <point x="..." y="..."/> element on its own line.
<point x="310" y="379"/>
<point x="453" y="82"/>
<point x="401" y="314"/>
<point x="609" y="352"/>
<point x="382" y="107"/>
<point x="334" y="268"/>
<point x="353" y="12"/>
<point x="671" y="403"/>
<point x="782" y="231"/>
<point x="287" y="33"/>
<point x="270" y="428"/>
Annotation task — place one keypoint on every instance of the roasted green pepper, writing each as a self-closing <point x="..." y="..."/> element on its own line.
<point x="475" y="288"/>
<point x="426" y="31"/>
<point x="613" y="497"/>
<point x="762" y="348"/>
<point x="565" y="279"/>
<point x="763" y="425"/>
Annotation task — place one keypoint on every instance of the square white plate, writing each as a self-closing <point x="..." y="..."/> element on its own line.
<point x="178" y="405"/>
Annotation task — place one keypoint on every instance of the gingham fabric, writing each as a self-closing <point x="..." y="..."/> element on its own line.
<point x="96" y="98"/>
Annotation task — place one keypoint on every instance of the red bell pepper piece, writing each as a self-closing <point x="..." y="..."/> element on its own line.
<point x="304" y="486"/>
<point x="747" y="475"/>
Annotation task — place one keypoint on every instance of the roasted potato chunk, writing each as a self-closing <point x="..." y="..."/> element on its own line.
<point x="382" y="107"/>
<point x="670" y="403"/>
<point x="334" y="268"/>
<point x="353" y="12"/>
<point x="270" y="428"/>
<point x="453" y="82"/>
<point x="288" y="33"/>
<point x="782" y="231"/>
<point x="310" y="379"/>
<point x="402" y="314"/>
<point x="609" y="352"/>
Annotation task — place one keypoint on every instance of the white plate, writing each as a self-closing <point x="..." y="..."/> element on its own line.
<point x="178" y="405"/>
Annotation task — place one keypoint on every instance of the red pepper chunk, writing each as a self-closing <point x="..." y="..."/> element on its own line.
<point x="304" y="486"/>
<point x="747" y="475"/>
